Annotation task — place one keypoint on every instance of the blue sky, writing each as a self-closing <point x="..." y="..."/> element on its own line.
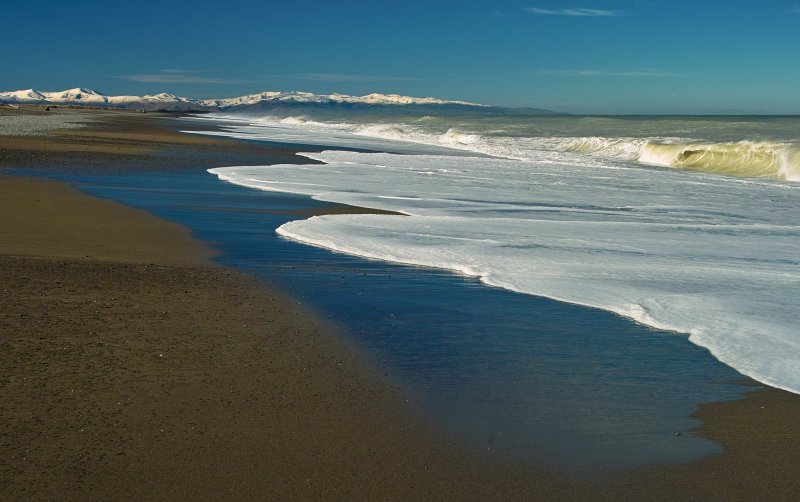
<point x="623" y="56"/>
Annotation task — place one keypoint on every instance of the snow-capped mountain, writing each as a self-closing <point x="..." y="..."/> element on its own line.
<point x="307" y="97"/>
<point x="89" y="97"/>
<point x="393" y="103"/>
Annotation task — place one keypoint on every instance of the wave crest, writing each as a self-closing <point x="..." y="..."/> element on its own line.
<point x="743" y="158"/>
<point x="616" y="148"/>
<point x="765" y="159"/>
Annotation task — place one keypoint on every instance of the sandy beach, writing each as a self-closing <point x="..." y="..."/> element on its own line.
<point x="135" y="369"/>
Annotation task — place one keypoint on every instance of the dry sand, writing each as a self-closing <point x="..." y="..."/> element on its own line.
<point x="134" y="370"/>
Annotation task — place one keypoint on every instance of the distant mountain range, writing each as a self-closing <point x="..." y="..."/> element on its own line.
<point x="264" y="101"/>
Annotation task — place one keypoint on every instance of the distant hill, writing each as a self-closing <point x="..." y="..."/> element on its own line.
<point x="271" y="101"/>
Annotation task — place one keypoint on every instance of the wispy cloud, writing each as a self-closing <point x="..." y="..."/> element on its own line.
<point x="574" y="12"/>
<point x="347" y="77"/>
<point x="181" y="77"/>
<point x="634" y="72"/>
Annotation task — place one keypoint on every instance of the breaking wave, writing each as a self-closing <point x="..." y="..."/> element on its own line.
<point x="744" y="158"/>
<point x="763" y="159"/>
<point x="668" y="248"/>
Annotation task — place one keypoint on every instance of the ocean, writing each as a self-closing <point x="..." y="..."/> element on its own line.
<point x="681" y="224"/>
<point x="539" y="298"/>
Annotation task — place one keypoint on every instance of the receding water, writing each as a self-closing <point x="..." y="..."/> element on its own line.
<point x="521" y="376"/>
<point x="704" y="243"/>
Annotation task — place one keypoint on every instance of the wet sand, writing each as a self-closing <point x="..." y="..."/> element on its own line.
<point x="125" y="141"/>
<point x="155" y="382"/>
<point x="136" y="370"/>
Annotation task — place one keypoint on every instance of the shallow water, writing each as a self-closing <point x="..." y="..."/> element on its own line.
<point x="704" y="243"/>
<point x="518" y="375"/>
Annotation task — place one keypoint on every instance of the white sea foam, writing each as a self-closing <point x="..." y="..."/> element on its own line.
<point x="768" y="159"/>
<point x="305" y="130"/>
<point x="711" y="256"/>
<point x="745" y="158"/>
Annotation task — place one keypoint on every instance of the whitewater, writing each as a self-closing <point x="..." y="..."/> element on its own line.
<point x="690" y="225"/>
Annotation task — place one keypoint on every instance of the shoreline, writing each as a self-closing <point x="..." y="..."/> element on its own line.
<point x="122" y="385"/>
<point x="462" y="475"/>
